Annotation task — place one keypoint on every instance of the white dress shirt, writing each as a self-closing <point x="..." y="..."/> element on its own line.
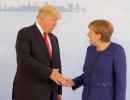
<point x="41" y="31"/>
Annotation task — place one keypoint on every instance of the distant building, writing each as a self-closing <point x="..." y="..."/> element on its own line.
<point x="46" y="3"/>
<point x="22" y="7"/>
<point x="0" y="7"/>
<point x="5" y="7"/>
<point x="62" y="8"/>
<point x="70" y="7"/>
<point x="35" y="4"/>
<point x="77" y="7"/>
<point x="29" y="4"/>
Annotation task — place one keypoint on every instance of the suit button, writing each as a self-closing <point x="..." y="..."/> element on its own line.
<point x="103" y="84"/>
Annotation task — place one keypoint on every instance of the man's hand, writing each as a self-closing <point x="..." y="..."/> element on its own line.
<point x="57" y="77"/>
<point x="59" y="97"/>
<point x="69" y="83"/>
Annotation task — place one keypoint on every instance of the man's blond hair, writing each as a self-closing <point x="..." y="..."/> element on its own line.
<point x="49" y="10"/>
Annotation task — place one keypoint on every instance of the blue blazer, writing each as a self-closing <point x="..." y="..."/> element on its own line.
<point x="104" y="74"/>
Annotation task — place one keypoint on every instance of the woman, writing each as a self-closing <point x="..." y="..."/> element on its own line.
<point x="104" y="71"/>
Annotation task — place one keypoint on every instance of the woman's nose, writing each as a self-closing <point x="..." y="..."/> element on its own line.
<point x="88" y="34"/>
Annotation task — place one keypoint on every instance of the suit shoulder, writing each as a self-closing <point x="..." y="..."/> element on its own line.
<point x="52" y="35"/>
<point x="25" y="30"/>
<point x="91" y="47"/>
<point x="117" y="47"/>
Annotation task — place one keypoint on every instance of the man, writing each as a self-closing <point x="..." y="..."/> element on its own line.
<point x="38" y="59"/>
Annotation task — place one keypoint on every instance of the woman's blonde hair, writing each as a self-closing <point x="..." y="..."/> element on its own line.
<point x="102" y="27"/>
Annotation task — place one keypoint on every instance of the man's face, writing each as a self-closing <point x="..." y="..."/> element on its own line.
<point x="48" y="23"/>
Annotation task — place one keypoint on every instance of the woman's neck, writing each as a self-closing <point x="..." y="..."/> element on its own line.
<point x="102" y="46"/>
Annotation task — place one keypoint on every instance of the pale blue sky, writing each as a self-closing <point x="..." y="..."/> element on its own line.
<point x="84" y="3"/>
<point x="16" y="2"/>
<point x="71" y="25"/>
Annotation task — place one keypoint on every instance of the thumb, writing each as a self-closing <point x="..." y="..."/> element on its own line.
<point x="56" y="69"/>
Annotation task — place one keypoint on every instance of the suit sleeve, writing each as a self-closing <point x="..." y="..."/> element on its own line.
<point x="25" y="58"/>
<point x="60" y="69"/>
<point x="78" y="81"/>
<point x="120" y="73"/>
<point x="60" y="88"/>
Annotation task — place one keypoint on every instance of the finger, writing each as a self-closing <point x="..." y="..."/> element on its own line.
<point x="62" y="81"/>
<point x="57" y="82"/>
<point x="56" y="69"/>
<point x="60" y="78"/>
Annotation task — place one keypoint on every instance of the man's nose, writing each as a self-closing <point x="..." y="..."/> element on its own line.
<point x="55" y="23"/>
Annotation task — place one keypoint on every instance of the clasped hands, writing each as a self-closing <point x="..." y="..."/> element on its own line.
<point x="60" y="79"/>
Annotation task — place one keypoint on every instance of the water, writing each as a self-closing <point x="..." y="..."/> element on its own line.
<point x="71" y="32"/>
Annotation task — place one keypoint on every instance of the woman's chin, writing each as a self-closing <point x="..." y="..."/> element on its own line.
<point x="90" y="42"/>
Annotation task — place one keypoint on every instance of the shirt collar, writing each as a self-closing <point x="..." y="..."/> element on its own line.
<point x="39" y="27"/>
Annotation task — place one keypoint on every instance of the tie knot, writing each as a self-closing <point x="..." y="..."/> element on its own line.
<point x="45" y="35"/>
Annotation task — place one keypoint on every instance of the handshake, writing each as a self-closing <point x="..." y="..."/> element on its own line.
<point x="60" y="79"/>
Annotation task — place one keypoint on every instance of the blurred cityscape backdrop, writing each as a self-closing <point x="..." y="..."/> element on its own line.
<point x="71" y="32"/>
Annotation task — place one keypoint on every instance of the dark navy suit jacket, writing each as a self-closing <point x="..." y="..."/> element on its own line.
<point x="34" y="66"/>
<point x="104" y="74"/>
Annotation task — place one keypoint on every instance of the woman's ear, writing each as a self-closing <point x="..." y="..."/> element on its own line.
<point x="99" y="36"/>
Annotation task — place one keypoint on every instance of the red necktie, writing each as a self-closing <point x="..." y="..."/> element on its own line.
<point x="47" y="44"/>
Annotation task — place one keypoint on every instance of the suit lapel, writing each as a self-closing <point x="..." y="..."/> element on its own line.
<point x="93" y="60"/>
<point x="90" y="61"/>
<point x="55" y="52"/>
<point x="53" y="45"/>
<point x="41" y="40"/>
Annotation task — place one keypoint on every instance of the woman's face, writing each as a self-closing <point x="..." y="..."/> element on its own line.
<point x="93" y="37"/>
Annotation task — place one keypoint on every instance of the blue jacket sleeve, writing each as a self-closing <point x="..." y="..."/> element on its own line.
<point x="120" y="73"/>
<point x="78" y="81"/>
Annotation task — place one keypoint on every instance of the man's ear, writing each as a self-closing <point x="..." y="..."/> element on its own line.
<point x="38" y="18"/>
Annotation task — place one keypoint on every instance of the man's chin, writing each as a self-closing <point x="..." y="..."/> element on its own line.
<point x="50" y="31"/>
